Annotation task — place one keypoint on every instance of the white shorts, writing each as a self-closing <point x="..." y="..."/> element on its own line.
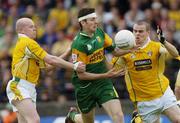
<point x="178" y="79"/>
<point x="19" y="89"/>
<point x="150" y="111"/>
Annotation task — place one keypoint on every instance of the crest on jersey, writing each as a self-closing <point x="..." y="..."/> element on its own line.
<point x="74" y="58"/>
<point x="149" y="53"/>
<point x="89" y="47"/>
<point x="133" y="56"/>
<point x="98" y="39"/>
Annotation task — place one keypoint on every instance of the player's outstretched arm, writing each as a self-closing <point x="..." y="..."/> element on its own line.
<point x="59" y="62"/>
<point x="93" y="76"/>
<point x="120" y="52"/>
<point x="170" y="48"/>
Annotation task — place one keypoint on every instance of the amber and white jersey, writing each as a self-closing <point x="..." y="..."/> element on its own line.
<point x="144" y="76"/>
<point x="27" y="59"/>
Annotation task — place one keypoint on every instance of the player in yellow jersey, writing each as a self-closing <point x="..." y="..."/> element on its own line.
<point x="147" y="86"/>
<point x="28" y="58"/>
<point x="177" y="85"/>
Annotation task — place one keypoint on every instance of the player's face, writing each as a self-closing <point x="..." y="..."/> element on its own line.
<point x="30" y="30"/>
<point x="91" y="24"/>
<point x="140" y="33"/>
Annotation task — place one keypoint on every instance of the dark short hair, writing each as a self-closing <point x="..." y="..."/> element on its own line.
<point x="142" y="22"/>
<point x="85" y="11"/>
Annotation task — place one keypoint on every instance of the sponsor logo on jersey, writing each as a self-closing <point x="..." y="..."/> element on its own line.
<point x="97" y="56"/>
<point x="144" y="64"/>
<point x="149" y="53"/>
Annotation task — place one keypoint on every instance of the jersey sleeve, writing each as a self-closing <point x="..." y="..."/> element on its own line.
<point x="34" y="50"/>
<point x="118" y="62"/>
<point x="78" y="52"/>
<point x="162" y="50"/>
<point x="108" y="43"/>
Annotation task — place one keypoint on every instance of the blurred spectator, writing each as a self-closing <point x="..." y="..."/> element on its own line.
<point x="49" y="37"/>
<point x="174" y="13"/>
<point x="134" y="14"/>
<point x="164" y="19"/>
<point x="42" y="10"/>
<point x="156" y="7"/>
<point x="7" y="42"/>
<point x="12" y="16"/>
<point x="62" y="44"/>
<point x="3" y="22"/>
<point x="150" y="18"/>
<point x="59" y="15"/>
<point x="50" y="90"/>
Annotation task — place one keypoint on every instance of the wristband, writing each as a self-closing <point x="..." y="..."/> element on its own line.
<point x="75" y="65"/>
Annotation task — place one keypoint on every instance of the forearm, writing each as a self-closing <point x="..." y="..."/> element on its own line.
<point x="120" y="52"/>
<point x="91" y="76"/>
<point x="49" y="68"/>
<point x="171" y="49"/>
<point x="59" y="62"/>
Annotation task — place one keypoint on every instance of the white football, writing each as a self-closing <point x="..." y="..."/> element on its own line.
<point x="125" y="39"/>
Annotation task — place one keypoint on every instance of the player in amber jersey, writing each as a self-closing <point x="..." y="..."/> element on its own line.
<point x="28" y="57"/>
<point x="177" y="84"/>
<point x="147" y="86"/>
<point x="93" y="87"/>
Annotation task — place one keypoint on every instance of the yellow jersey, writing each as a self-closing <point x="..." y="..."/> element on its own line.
<point x="27" y="59"/>
<point x="144" y="72"/>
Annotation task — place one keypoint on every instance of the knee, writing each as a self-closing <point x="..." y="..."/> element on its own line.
<point x="176" y="120"/>
<point x="118" y="116"/>
<point x="35" y="119"/>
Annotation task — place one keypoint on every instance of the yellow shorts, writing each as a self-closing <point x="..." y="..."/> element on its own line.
<point x="19" y="89"/>
<point x="178" y="79"/>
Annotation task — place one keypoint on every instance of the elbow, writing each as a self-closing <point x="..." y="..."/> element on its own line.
<point x="52" y="61"/>
<point x="175" y="55"/>
<point x="82" y="78"/>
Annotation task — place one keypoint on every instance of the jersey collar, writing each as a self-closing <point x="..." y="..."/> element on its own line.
<point x="22" y="35"/>
<point x="147" y="42"/>
<point x="85" y="34"/>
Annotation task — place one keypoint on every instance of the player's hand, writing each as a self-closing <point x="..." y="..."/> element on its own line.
<point x="160" y="35"/>
<point x="114" y="73"/>
<point x="135" y="48"/>
<point x="80" y="67"/>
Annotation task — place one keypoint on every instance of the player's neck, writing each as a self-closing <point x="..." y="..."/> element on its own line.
<point x="88" y="32"/>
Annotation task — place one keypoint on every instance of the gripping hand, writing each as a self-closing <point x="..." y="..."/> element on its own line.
<point x="160" y="35"/>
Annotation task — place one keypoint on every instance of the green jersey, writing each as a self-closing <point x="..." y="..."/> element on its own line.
<point x="90" y="50"/>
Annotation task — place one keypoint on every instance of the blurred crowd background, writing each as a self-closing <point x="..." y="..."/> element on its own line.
<point x="57" y="24"/>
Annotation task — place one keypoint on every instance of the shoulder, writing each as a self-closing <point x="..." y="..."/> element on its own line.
<point x="153" y="43"/>
<point x="100" y="31"/>
<point x="78" y="41"/>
